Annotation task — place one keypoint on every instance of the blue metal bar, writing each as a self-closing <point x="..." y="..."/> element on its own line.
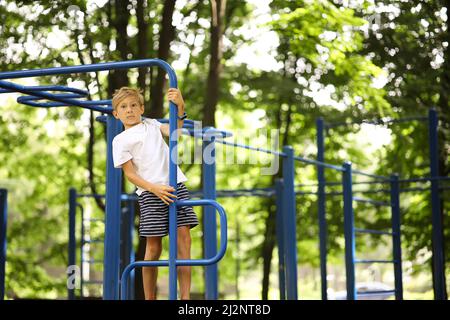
<point x="318" y="163"/>
<point x="396" y="237"/>
<point x="277" y="153"/>
<point x="93" y="241"/>
<point x="173" y="156"/>
<point x="206" y="133"/>
<point x="368" y="293"/>
<point x="337" y="183"/>
<point x="45" y="95"/>
<point x="195" y="262"/>
<point x="112" y="217"/>
<point x="374" y="122"/>
<point x="371" y="175"/>
<point x="49" y="88"/>
<point x="83" y="195"/>
<point x="86" y="68"/>
<point x="290" y="222"/>
<point x="358" y="230"/>
<point x="126" y="243"/>
<point x="280" y="238"/>
<point x="95" y="220"/>
<point x="425" y="179"/>
<point x="439" y="283"/>
<point x="374" y="202"/>
<point x="3" y="239"/>
<point x="374" y="261"/>
<point x="82" y="255"/>
<point x="209" y="218"/>
<point x="349" y="231"/>
<point x="72" y="239"/>
<point x="321" y="206"/>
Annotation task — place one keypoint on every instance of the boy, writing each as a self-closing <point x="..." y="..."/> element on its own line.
<point x="142" y="153"/>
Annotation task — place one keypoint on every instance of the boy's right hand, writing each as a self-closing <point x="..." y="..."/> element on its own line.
<point x="163" y="192"/>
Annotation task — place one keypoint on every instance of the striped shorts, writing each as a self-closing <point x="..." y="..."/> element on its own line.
<point x="154" y="213"/>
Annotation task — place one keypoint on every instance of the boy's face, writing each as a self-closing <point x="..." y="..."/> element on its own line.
<point x="129" y="111"/>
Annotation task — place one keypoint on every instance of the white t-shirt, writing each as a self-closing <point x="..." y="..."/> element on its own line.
<point x="145" y="146"/>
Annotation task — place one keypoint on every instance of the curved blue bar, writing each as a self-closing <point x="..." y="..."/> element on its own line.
<point x="193" y="262"/>
<point x="37" y="90"/>
<point x="87" y="104"/>
<point x="50" y="88"/>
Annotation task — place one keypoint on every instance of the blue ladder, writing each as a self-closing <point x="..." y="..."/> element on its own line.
<point x="350" y="230"/>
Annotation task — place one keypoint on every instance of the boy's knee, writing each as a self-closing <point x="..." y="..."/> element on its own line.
<point x="153" y="250"/>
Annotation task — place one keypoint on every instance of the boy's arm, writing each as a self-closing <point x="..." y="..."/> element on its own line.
<point x="161" y="191"/>
<point x="175" y="96"/>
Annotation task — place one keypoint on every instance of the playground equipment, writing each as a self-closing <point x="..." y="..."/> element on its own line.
<point x="127" y="254"/>
<point x="113" y="177"/>
<point x="395" y="192"/>
<point x="115" y="287"/>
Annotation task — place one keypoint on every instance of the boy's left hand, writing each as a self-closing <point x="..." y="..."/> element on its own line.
<point x="175" y="96"/>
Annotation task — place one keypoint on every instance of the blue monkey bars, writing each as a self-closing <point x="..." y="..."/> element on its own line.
<point x="113" y="177"/>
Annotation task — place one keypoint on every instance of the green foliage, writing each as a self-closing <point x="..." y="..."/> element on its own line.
<point x="324" y="50"/>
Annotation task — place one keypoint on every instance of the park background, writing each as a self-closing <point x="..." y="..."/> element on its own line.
<point x="242" y="66"/>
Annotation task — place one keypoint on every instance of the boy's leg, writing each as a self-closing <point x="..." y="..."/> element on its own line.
<point x="149" y="274"/>
<point x="184" y="252"/>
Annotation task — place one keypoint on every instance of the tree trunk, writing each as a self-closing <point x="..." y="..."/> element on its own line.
<point x="218" y="8"/>
<point x="142" y="46"/>
<point x="166" y="36"/>
<point x="119" y="78"/>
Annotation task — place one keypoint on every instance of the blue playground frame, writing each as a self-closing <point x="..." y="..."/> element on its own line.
<point x="115" y="285"/>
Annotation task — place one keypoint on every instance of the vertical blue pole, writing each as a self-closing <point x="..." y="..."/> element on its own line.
<point x="438" y="239"/>
<point x="280" y="238"/>
<point x="290" y="222"/>
<point x="321" y="207"/>
<point x="173" y="147"/>
<point x="349" y="231"/>
<point x="4" y="222"/>
<point x="112" y="219"/>
<point x="396" y="236"/>
<point x="72" y="239"/>
<point x="209" y="216"/>
<point x="82" y="255"/>
<point x="131" y="258"/>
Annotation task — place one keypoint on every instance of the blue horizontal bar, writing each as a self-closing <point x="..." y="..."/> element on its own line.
<point x="208" y="132"/>
<point x="374" y="261"/>
<point x="49" y="88"/>
<point x="93" y="241"/>
<point x="370" y="175"/>
<point x="94" y="220"/>
<point x="375" y="292"/>
<point x="330" y="125"/>
<point x="278" y="153"/>
<point x="374" y="202"/>
<point x="83" y="68"/>
<point x="426" y="179"/>
<point x="319" y="163"/>
<point x="373" y="231"/>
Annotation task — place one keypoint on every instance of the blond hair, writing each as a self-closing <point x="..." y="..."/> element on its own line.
<point x="125" y="92"/>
